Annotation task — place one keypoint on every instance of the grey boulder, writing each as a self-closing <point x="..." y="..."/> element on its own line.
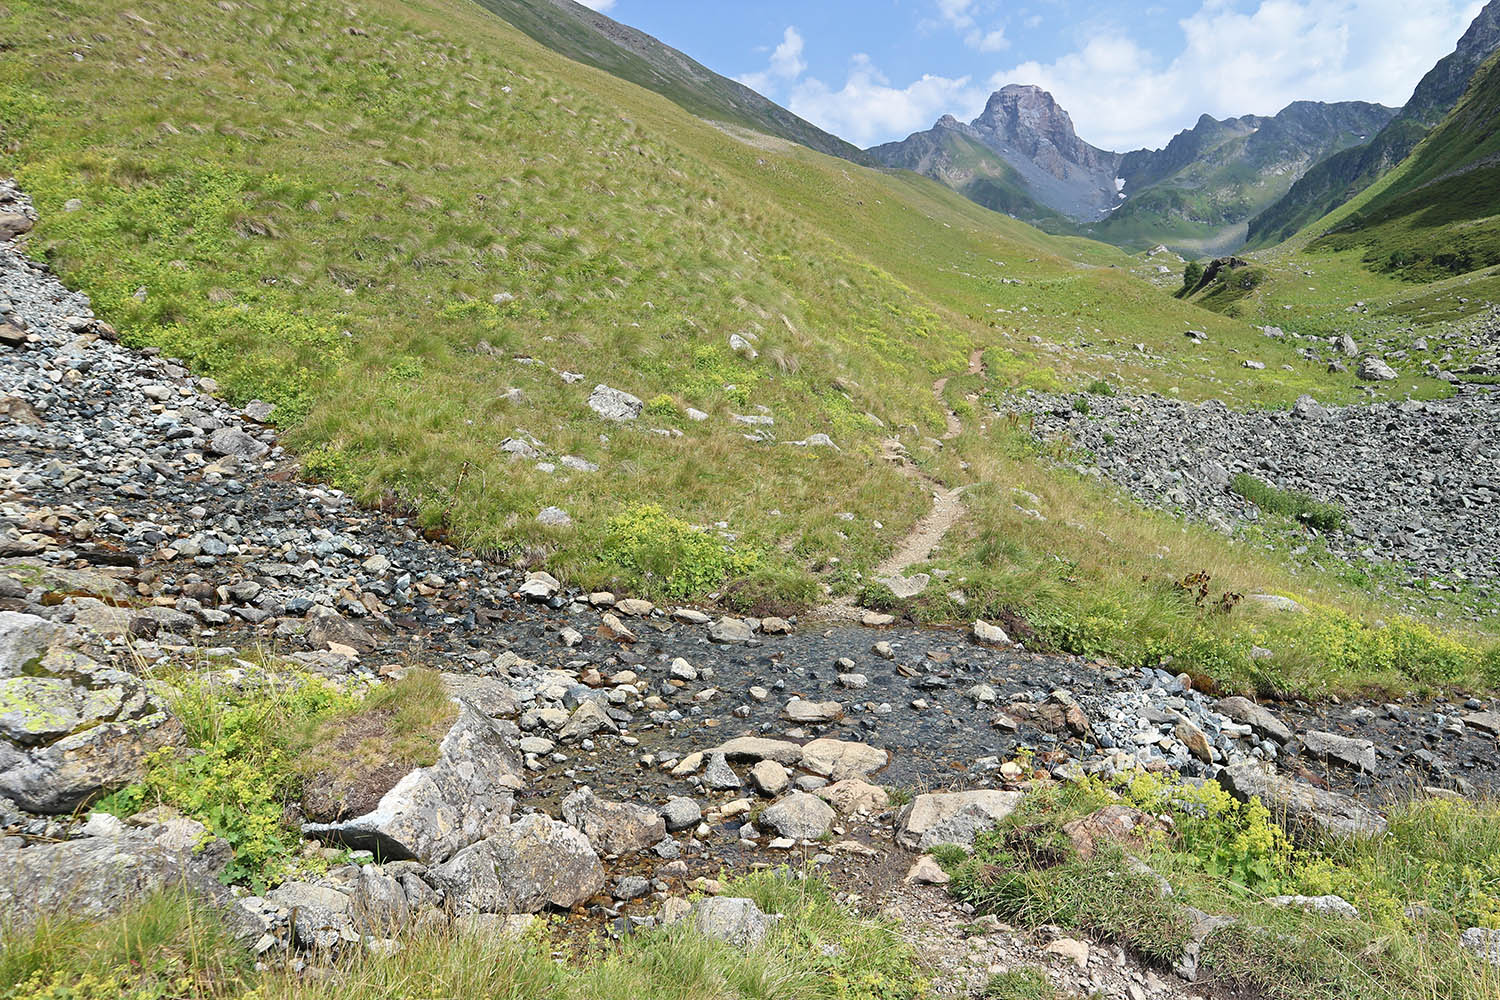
<point x="1300" y="806"/>
<point x="436" y="811"/>
<point x="613" y="827"/>
<point x="799" y="815"/>
<point x="531" y="864"/>
<point x="952" y="817"/>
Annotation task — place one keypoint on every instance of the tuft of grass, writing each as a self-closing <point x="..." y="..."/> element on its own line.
<point x="1326" y="517"/>
<point x="169" y="946"/>
<point x="1020" y="984"/>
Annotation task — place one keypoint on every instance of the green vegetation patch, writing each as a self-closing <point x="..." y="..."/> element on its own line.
<point x="1326" y="517"/>
<point x="1435" y="873"/>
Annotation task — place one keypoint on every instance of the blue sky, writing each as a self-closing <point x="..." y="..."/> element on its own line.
<point x="1130" y="74"/>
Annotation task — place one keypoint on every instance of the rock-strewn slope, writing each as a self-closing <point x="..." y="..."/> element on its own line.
<point x="608" y="755"/>
<point x="1420" y="480"/>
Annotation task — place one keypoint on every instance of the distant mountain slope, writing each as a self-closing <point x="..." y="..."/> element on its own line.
<point x="1196" y="194"/>
<point x="587" y="36"/>
<point x="948" y="154"/>
<point x="1339" y="178"/>
<point x="1201" y="190"/>
<point x="1438" y="212"/>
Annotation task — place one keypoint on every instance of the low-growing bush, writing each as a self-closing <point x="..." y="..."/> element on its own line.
<point x="665" y="555"/>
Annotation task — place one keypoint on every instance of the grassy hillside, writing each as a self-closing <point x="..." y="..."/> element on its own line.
<point x="1439" y="213"/>
<point x="405" y="228"/>
<point x="589" y="37"/>
<point x="1333" y="183"/>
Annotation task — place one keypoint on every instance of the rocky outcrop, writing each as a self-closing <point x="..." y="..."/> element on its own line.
<point x="98" y="876"/>
<point x="613" y="827"/>
<point x="71" y="728"/>
<point x="436" y="811"/>
<point x="533" y="863"/>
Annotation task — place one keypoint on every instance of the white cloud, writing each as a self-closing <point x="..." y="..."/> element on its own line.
<point x="960" y="15"/>
<point x="786" y="63"/>
<point x="1121" y="96"/>
<point x="600" y="5"/>
<point x="867" y="109"/>
<point x="987" y="41"/>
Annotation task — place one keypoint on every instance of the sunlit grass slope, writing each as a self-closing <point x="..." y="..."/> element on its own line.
<point x="405" y="223"/>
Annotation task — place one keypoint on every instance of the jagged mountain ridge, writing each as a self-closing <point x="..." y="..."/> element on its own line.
<point x="1207" y="182"/>
<point x="1341" y="177"/>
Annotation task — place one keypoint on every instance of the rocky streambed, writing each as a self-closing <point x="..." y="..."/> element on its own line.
<point x="609" y="755"/>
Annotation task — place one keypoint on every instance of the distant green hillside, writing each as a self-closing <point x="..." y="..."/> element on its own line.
<point x="1199" y="193"/>
<point x="1438" y="213"/>
<point x="590" y="37"/>
<point x="1341" y="177"/>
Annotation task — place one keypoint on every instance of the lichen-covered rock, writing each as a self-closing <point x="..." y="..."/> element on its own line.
<point x="533" y="863"/>
<point x="435" y="811"/>
<point x="94" y="877"/>
<point x="613" y="827"/>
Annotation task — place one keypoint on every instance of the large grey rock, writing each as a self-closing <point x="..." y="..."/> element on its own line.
<point x="94" y="877"/>
<point x="533" y="863"/>
<point x="732" y="919"/>
<point x="321" y="917"/>
<point x="587" y="720"/>
<point x="730" y="631"/>
<point x="436" y="811"/>
<point x="23" y="638"/>
<point x="800" y="816"/>
<point x="681" y="813"/>
<point x="1299" y="806"/>
<point x="613" y="404"/>
<point x="1344" y="749"/>
<point x="1483" y="942"/>
<point x="807" y="712"/>
<point x="952" y="817"/>
<point x="1327" y="906"/>
<point x="1373" y="369"/>
<point x="75" y="770"/>
<point x="1257" y="717"/>
<point x="233" y="441"/>
<point x="743" y="748"/>
<point x="840" y="759"/>
<point x="613" y="827"/>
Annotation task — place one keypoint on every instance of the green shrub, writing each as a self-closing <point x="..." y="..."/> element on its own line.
<point x="1020" y="984"/>
<point x="1099" y="387"/>
<point x="234" y="774"/>
<point x="662" y="406"/>
<point x="1326" y="517"/>
<point x="669" y="556"/>
<point x="1081" y="405"/>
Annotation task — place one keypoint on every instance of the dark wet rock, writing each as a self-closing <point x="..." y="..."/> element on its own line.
<point x="1355" y="753"/>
